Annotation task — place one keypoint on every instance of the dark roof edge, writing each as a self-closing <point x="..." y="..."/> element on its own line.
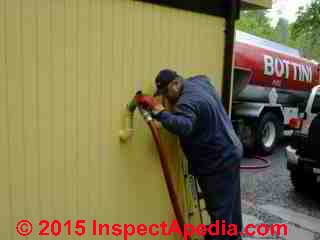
<point x="214" y="8"/>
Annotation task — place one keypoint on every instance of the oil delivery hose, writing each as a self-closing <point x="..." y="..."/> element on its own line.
<point x="173" y="194"/>
<point x="165" y="165"/>
<point x="266" y="163"/>
<point x="169" y="179"/>
<point x="168" y="176"/>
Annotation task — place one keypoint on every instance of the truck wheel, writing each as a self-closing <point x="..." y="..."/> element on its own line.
<point x="247" y="136"/>
<point x="268" y="133"/>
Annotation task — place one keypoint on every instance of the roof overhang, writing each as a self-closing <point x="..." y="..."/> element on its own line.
<point x="220" y="8"/>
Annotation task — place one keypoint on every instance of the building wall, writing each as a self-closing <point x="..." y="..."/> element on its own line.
<point x="67" y="70"/>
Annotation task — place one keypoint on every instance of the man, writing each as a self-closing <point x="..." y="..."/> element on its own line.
<point x="208" y="140"/>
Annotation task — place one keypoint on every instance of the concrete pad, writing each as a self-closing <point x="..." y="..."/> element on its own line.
<point x="295" y="233"/>
<point x="307" y="222"/>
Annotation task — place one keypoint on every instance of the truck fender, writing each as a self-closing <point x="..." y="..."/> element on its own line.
<point x="254" y="110"/>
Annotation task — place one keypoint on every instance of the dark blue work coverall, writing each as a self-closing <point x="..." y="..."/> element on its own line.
<point x="211" y="146"/>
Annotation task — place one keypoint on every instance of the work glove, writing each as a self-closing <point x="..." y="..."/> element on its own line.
<point x="146" y="102"/>
<point x="149" y="103"/>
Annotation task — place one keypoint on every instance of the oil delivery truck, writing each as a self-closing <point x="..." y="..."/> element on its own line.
<point x="270" y="82"/>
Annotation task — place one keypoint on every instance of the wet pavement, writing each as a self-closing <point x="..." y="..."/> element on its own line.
<point x="269" y="197"/>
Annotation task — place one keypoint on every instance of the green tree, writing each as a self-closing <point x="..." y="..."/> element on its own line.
<point x="306" y="30"/>
<point x="282" y="31"/>
<point x="303" y="34"/>
<point x="256" y="23"/>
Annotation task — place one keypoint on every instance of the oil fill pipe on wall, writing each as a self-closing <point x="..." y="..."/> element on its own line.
<point x="125" y="134"/>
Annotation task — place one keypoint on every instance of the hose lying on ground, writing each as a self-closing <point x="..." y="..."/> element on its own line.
<point x="266" y="163"/>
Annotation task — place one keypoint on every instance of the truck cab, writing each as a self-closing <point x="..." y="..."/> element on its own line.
<point x="303" y="158"/>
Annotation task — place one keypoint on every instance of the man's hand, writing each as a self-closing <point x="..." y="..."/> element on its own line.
<point x="150" y="103"/>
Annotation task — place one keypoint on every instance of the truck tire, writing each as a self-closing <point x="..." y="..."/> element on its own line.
<point x="268" y="132"/>
<point x="247" y="136"/>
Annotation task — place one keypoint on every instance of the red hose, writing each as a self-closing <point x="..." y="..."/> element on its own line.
<point x="168" y="176"/>
<point x="266" y="163"/>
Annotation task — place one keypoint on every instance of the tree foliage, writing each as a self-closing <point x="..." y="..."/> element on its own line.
<point x="304" y="34"/>
<point x="256" y="23"/>
<point x="282" y="31"/>
<point x="306" y="29"/>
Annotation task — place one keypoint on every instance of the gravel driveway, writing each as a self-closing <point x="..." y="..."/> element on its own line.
<point x="268" y="197"/>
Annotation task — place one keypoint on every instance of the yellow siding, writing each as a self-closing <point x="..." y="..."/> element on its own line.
<point x="67" y="69"/>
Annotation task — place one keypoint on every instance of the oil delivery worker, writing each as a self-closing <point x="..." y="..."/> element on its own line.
<point x="208" y="140"/>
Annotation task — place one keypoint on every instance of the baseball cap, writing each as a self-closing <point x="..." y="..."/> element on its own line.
<point x="163" y="79"/>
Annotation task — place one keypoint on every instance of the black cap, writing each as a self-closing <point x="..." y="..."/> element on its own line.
<point x="163" y="79"/>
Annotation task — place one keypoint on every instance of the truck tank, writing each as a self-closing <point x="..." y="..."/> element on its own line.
<point x="262" y="65"/>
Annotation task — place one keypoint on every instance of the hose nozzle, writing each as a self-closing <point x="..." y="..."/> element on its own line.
<point x="132" y="105"/>
<point x="126" y="133"/>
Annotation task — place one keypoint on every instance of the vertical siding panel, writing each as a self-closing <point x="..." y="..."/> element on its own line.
<point x="185" y="19"/>
<point x="45" y="110"/>
<point x="15" y="104"/>
<point x="5" y="206"/>
<point x="29" y="71"/>
<point x="199" y="48"/>
<point x="153" y="69"/>
<point x="107" y="171"/>
<point x="83" y="107"/>
<point x="131" y="169"/>
<point x="210" y="44"/>
<point x="200" y="35"/>
<point x="173" y="28"/>
<point x="206" y="46"/>
<point x="165" y="38"/>
<point x="71" y="168"/>
<point x="118" y="104"/>
<point x="158" y="41"/>
<point x="188" y="38"/>
<point x="137" y="66"/>
<point x="198" y="29"/>
<point x="130" y="47"/>
<point x="122" y="51"/>
<point x="147" y="39"/>
<point x="127" y="49"/>
<point x="178" y="43"/>
<point x="94" y="106"/>
<point x="58" y="106"/>
<point x="137" y="83"/>
<point x="155" y="41"/>
<point x="203" y="57"/>
<point x="219" y="34"/>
